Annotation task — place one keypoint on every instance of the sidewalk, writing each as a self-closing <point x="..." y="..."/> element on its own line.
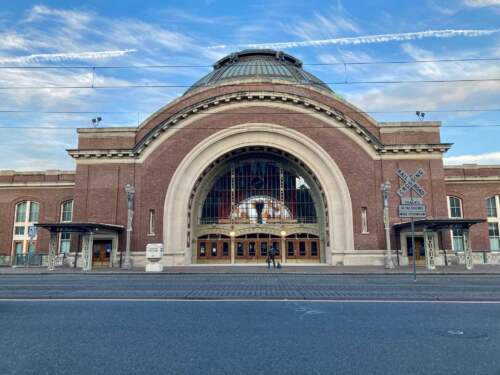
<point x="479" y="269"/>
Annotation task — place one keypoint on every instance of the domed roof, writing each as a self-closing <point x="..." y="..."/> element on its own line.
<point x="264" y="64"/>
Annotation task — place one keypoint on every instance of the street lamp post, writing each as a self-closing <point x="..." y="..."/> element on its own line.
<point x="130" y="190"/>
<point x="384" y="188"/>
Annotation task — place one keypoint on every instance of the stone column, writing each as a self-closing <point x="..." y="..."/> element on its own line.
<point x="87" y="242"/>
<point x="469" y="261"/>
<point x="430" y="250"/>
<point x="51" y="264"/>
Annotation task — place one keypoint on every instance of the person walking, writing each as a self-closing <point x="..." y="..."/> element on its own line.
<point x="271" y="254"/>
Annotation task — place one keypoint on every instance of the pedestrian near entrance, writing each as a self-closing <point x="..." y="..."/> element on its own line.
<point x="271" y="254"/>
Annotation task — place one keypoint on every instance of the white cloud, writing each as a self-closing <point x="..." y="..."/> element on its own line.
<point x="487" y="158"/>
<point x="369" y="39"/>
<point x="75" y="19"/>
<point x="68" y="56"/>
<point x="426" y="96"/>
<point x="482" y="3"/>
<point x="323" y="25"/>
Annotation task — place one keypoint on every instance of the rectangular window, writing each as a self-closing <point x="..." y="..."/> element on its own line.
<point x="214" y="249"/>
<point x="65" y="243"/>
<point x="251" y="249"/>
<point x="19" y="231"/>
<point x="21" y="212"/>
<point x="34" y="212"/>
<point x="494" y="236"/>
<point x="491" y="207"/>
<point x="239" y="249"/>
<point x="18" y="248"/>
<point x="263" y="249"/>
<point x="364" y="220"/>
<point x="314" y="249"/>
<point x="458" y="239"/>
<point x="32" y="246"/>
<point x="203" y="249"/>
<point x="302" y="248"/>
<point x="225" y="249"/>
<point x="455" y="207"/>
<point x="67" y="212"/>
<point x="151" y="226"/>
<point x="290" y="249"/>
<point x="276" y="248"/>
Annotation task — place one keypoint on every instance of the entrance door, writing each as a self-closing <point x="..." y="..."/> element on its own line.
<point x="214" y="247"/>
<point x="420" y="250"/>
<point x="254" y="247"/>
<point x="302" y="248"/>
<point x="101" y="253"/>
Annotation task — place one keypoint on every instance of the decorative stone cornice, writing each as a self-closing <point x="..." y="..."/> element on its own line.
<point x="314" y="107"/>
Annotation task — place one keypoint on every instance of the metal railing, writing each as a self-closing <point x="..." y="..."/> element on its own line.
<point x="26" y="260"/>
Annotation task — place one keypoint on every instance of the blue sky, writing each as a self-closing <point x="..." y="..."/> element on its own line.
<point x="111" y="33"/>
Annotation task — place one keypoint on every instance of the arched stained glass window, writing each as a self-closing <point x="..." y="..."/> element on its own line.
<point x="259" y="192"/>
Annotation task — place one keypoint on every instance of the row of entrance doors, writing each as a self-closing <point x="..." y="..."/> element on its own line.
<point x="257" y="248"/>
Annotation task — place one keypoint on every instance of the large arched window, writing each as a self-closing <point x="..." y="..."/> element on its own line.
<point x="259" y="191"/>
<point x="493" y="217"/>
<point x="456" y="212"/>
<point x="26" y="214"/>
<point x="66" y="217"/>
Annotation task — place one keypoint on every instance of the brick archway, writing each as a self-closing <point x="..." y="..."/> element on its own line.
<point x="176" y="240"/>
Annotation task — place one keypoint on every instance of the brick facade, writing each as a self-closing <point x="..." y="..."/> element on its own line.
<point x="366" y="152"/>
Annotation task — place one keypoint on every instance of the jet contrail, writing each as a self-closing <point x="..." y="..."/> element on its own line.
<point x="58" y="57"/>
<point x="368" y="39"/>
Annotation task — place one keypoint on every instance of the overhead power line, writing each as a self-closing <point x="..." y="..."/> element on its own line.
<point x="157" y="86"/>
<point x="162" y="66"/>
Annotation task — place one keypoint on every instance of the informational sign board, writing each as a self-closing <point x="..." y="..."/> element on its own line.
<point x="412" y="210"/>
<point x="154" y="250"/>
<point x="32" y="230"/>
<point x="412" y="200"/>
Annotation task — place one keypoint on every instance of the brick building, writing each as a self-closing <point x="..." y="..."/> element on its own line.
<point x="257" y="155"/>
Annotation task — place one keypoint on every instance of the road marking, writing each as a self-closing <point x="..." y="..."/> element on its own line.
<point x="239" y="300"/>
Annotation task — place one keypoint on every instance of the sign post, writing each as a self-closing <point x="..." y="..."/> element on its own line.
<point x="411" y="207"/>
<point x="32" y="230"/>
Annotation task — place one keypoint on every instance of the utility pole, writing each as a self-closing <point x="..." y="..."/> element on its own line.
<point x="384" y="188"/>
<point x="130" y="190"/>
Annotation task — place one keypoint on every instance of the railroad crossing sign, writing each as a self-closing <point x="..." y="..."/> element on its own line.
<point x="410" y="182"/>
<point x="411" y="206"/>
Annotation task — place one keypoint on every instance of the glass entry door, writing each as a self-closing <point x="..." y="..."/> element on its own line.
<point x="420" y="250"/>
<point x="101" y="253"/>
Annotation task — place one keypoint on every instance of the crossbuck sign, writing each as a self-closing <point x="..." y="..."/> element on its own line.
<point x="410" y="182"/>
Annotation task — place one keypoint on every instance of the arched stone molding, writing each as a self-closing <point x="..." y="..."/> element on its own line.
<point x="176" y="241"/>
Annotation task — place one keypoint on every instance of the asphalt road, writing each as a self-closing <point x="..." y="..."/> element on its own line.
<point x="248" y="337"/>
<point x="253" y="286"/>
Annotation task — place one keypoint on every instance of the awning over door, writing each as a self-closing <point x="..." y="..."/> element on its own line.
<point x="80" y="227"/>
<point x="87" y="229"/>
<point x="439" y="224"/>
<point x="430" y="226"/>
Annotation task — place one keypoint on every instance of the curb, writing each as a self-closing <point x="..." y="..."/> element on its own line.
<point x="301" y="273"/>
